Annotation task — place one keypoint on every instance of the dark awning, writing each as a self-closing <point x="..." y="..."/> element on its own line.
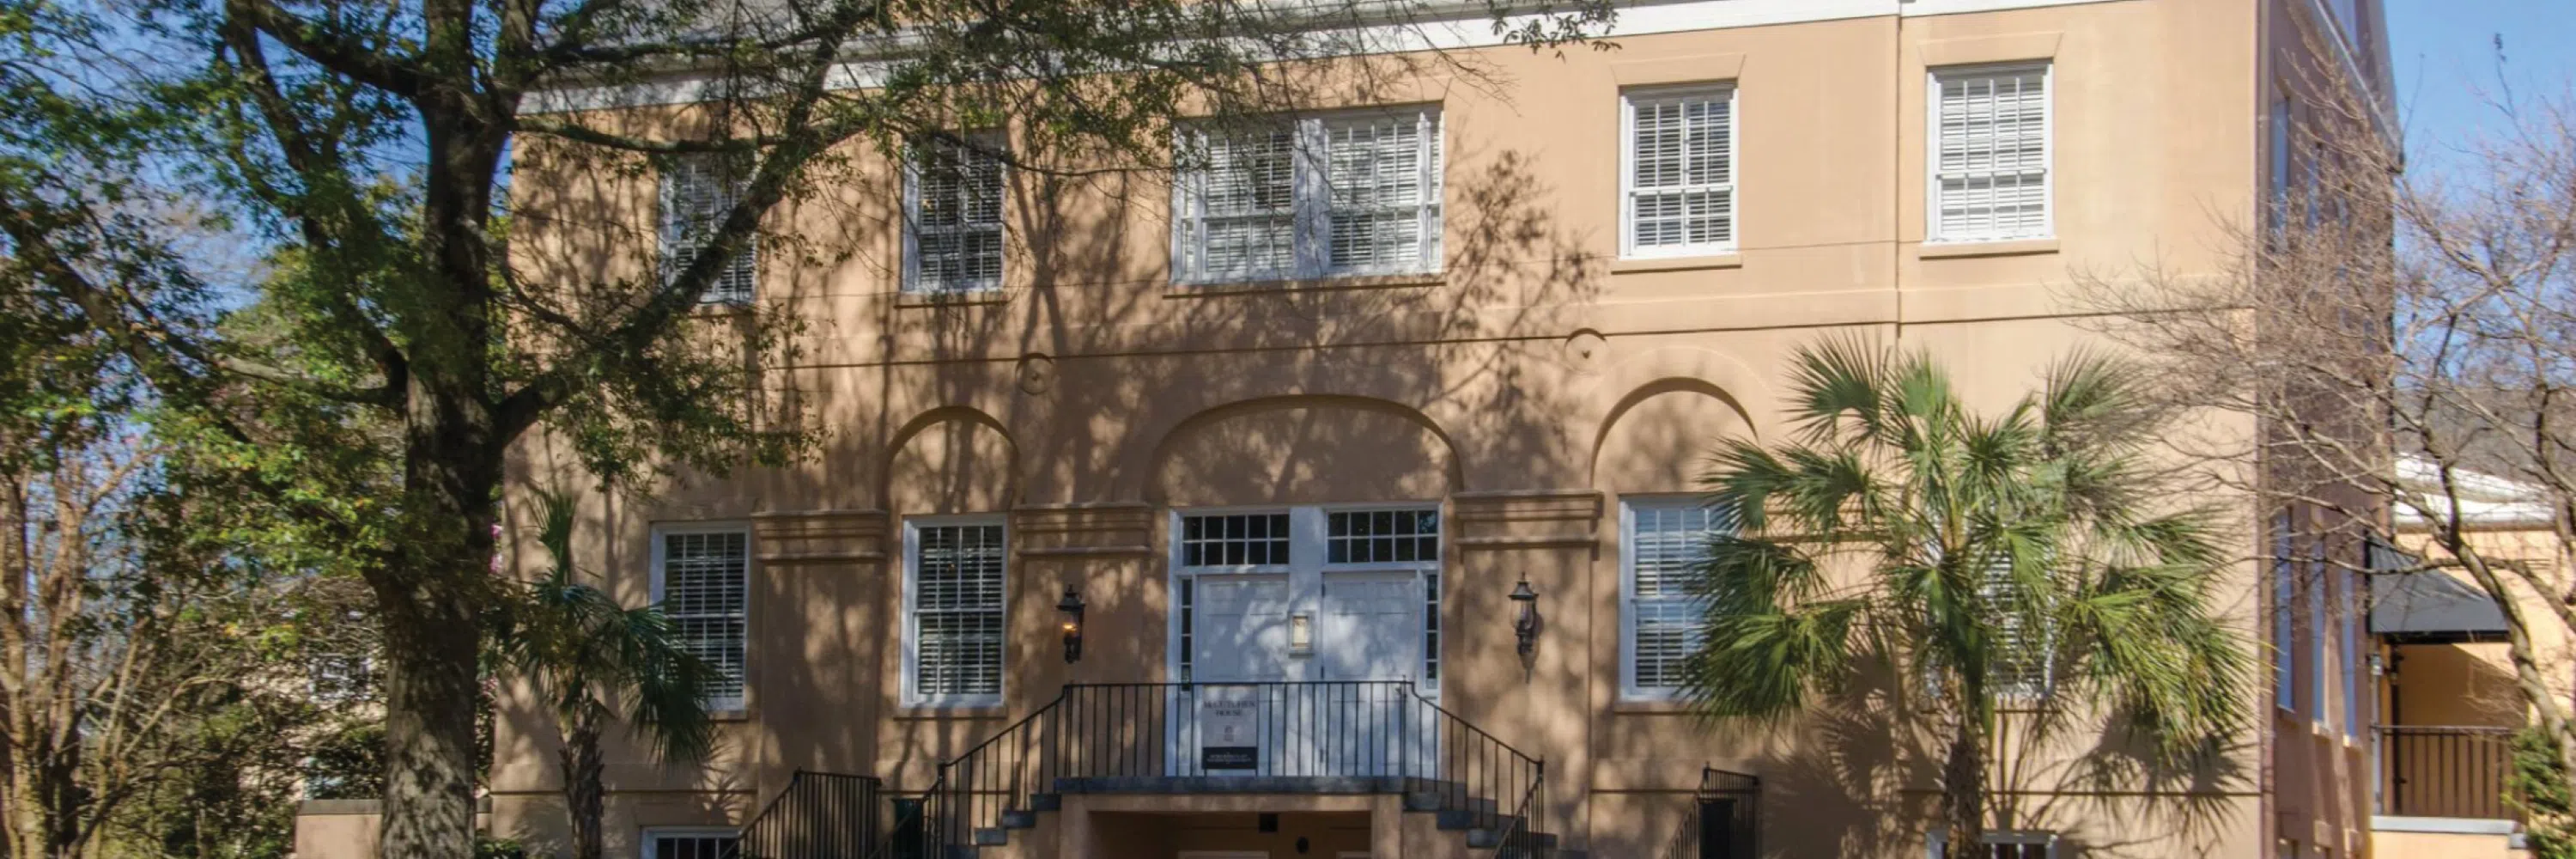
<point x="2427" y="605"/>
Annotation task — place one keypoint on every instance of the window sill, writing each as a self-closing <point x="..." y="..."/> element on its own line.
<point x="1651" y="706"/>
<point x="1961" y="250"/>
<point x="1196" y="289"/>
<point x="729" y="714"/>
<point x="995" y="295"/>
<point x="1680" y="263"/>
<point x="951" y="711"/>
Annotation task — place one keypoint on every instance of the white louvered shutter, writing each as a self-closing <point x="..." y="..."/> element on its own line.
<point x="1991" y="164"/>
<point x="1681" y="172"/>
<point x="1242" y="206"/>
<point x="1665" y="619"/>
<point x="705" y="592"/>
<point x="697" y="192"/>
<point x="2021" y="666"/>
<point x="1383" y="178"/>
<point x="955" y="217"/>
<point x="957" y="611"/>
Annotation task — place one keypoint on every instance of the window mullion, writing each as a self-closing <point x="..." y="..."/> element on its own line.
<point x="1311" y="196"/>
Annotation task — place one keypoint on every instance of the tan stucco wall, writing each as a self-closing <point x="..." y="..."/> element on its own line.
<point x="1527" y="390"/>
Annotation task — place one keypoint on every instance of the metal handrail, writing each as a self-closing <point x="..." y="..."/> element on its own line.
<point x="1109" y="736"/>
<point x="1521" y="841"/>
<point x="2446" y="771"/>
<point x="1737" y="795"/>
<point x="817" y="815"/>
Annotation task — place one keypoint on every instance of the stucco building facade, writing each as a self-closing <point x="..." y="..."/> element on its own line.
<point x="1305" y="472"/>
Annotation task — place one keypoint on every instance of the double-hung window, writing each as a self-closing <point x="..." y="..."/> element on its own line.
<point x="702" y="580"/>
<point x="1342" y="194"/>
<point x="698" y="191"/>
<point x="2285" y="584"/>
<point x="2354" y="662"/>
<point x="2023" y="664"/>
<point x="1678" y="194"/>
<point x="2319" y="678"/>
<point x="692" y="844"/>
<point x="1999" y="845"/>
<point x="1661" y="617"/>
<point x="953" y="215"/>
<point x="954" y="608"/>
<point x="1990" y="171"/>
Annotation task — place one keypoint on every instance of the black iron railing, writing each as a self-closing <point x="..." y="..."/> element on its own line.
<point x="1723" y="819"/>
<point x="818" y="816"/>
<point x="1378" y="736"/>
<point x="2440" y="771"/>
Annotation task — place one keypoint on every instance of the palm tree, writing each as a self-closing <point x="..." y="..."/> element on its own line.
<point x="585" y="656"/>
<point x="2034" y="558"/>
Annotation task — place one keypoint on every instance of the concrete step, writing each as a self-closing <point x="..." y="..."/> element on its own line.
<point x="1491" y="839"/>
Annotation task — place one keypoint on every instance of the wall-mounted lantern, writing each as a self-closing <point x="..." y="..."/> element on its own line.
<point x="1072" y="607"/>
<point x="1525" y="627"/>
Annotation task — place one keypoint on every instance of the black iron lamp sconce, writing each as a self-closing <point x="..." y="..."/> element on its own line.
<point x="1525" y="626"/>
<point x="1072" y="607"/>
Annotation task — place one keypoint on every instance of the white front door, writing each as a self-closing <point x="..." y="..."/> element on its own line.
<point x="1336" y="601"/>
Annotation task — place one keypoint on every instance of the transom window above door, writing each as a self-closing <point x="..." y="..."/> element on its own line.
<point x="1349" y="536"/>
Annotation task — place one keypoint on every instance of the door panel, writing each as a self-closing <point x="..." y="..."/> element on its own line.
<point x="1242" y="628"/>
<point x="1371" y="627"/>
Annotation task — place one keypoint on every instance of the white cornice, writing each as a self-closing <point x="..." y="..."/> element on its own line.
<point x="1439" y="25"/>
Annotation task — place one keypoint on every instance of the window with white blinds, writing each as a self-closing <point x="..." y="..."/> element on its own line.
<point x="697" y="192"/>
<point x="1344" y="194"/>
<point x="1990" y="154"/>
<point x="953" y="216"/>
<point x="2020" y="666"/>
<point x="954" y="602"/>
<point x="1679" y="181"/>
<point x="1662" y="617"/>
<point x="702" y="580"/>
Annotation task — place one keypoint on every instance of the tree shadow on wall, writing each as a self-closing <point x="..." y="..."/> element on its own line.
<point x="1864" y="759"/>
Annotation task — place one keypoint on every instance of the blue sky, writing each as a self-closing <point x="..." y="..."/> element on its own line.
<point x="2444" y="54"/>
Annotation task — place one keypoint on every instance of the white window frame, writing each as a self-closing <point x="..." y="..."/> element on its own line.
<point x="750" y="563"/>
<point x="912" y="695"/>
<point x="1935" y="840"/>
<point x="673" y="235"/>
<point x="1628" y="506"/>
<point x="1733" y="186"/>
<point x="1310" y="191"/>
<point x="912" y="230"/>
<point x="1932" y="150"/>
<point x="648" y="835"/>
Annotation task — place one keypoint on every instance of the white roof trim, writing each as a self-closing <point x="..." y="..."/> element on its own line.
<point x="2484" y="499"/>
<point x="1436" y="25"/>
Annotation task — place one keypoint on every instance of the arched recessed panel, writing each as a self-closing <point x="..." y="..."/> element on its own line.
<point x="1659" y="437"/>
<point x="1302" y="450"/>
<point x="951" y="461"/>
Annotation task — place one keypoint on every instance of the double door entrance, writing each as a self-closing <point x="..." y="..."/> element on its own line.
<point x="1309" y="640"/>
